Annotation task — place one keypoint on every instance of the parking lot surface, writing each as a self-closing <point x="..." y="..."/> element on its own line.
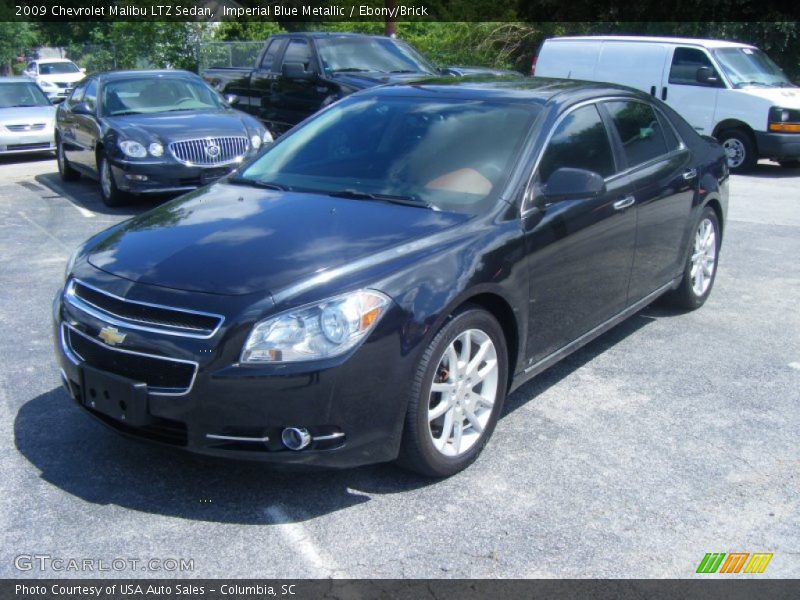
<point x="671" y="436"/>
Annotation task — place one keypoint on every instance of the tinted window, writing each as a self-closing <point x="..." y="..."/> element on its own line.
<point x="453" y="154"/>
<point x="685" y="63"/>
<point x="671" y="139"/>
<point x="90" y="95"/>
<point x="269" y="55"/>
<point x="639" y="130"/>
<point x="298" y="52"/>
<point x="580" y="142"/>
<point x="76" y="95"/>
<point x="153" y="95"/>
<point x="370" y="54"/>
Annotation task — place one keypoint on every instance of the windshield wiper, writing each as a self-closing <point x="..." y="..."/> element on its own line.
<point x="124" y="113"/>
<point x="405" y="71"/>
<point x="350" y="70"/>
<point x="394" y="199"/>
<point x="256" y="183"/>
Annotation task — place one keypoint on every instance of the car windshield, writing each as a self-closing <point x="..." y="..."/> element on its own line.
<point x="371" y="54"/>
<point x="453" y="155"/>
<point x="750" y="66"/>
<point x="20" y="93"/>
<point x="155" y="95"/>
<point x="58" y="68"/>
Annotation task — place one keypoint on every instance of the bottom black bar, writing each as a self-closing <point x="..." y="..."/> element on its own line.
<point x="411" y="589"/>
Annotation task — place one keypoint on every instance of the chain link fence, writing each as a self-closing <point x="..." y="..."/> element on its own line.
<point x="227" y="54"/>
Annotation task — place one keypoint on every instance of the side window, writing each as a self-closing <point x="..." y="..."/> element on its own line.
<point x="269" y="55"/>
<point x="639" y="130"/>
<point x="77" y="95"/>
<point x="670" y="137"/>
<point x="581" y="142"/>
<point x="298" y="51"/>
<point x="685" y="62"/>
<point x="90" y="95"/>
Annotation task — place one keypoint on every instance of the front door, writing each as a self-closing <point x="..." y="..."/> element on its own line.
<point x="693" y="100"/>
<point x="579" y="251"/>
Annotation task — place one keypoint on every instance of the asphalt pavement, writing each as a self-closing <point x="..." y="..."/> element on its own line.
<point x="669" y="437"/>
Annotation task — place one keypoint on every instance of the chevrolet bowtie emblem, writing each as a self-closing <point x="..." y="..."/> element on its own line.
<point x="111" y="336"/>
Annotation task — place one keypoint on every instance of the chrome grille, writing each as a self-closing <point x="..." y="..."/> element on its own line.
<point x="141" y="315"/>
<point x="211" y="151"/>
<point x="26" y="127"/>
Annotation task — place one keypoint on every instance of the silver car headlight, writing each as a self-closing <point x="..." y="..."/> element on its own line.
<point x="314" y="331"/>
<point x="46" y="85"/>
<point x="255" y="141"/>
<point x="132" y="149"/>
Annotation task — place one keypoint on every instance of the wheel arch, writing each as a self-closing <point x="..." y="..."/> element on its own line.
<point x="729" y="124"/>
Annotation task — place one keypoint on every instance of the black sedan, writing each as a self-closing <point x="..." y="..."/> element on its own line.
<point x="373" y="285"/>
<point x="143" y="132"/>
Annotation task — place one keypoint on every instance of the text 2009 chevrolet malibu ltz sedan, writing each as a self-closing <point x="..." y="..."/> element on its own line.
<point x="373" y="285"/>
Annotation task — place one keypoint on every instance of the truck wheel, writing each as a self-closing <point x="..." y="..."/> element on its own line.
<point x="739" y="150"/>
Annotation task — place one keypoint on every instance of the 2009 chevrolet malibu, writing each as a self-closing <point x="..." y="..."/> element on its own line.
<point x="370" y="287"/>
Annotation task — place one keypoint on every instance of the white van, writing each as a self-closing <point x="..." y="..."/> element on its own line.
<point x="731" y="91"/>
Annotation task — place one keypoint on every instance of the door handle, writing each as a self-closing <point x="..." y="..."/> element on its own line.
<point x="664" y="93"/>
<point x="624" y="203"/>
<point x="690" y="174"/>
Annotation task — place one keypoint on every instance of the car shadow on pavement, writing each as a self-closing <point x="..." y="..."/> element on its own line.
<point x="33" y="157"/>
<point x="85" y="193"/>
<point x="83" y="458"/>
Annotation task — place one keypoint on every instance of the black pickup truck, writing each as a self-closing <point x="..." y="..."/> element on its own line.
<point x="296" y="74"/>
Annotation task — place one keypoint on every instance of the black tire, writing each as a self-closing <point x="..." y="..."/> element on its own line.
<point x="790" y="164"/>
<point x="741" y="143"/>
<point x="685" y="296"/>
<point x="110" y="194"/>
<point x="66" y="172"/>
<point x="417" y="450"/>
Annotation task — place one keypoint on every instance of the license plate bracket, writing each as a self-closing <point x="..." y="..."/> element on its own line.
<point x="118" y="397"/>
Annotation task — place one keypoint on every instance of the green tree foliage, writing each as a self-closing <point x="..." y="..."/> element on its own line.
<point x="15" y="39"/>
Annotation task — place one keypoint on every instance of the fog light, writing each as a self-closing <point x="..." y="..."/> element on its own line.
<point x="295" y="438"/>
<point x="135" y="177"/>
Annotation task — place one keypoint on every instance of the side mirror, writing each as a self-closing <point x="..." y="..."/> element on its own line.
<point x="705" y="75"/>
<point x="81" y="108"/>
<point x="296" y="71"/>
<point x="231" y="99"/>
<point x="567" y="183"/>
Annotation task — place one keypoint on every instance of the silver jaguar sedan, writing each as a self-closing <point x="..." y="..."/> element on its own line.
<point x="26" y="117"/>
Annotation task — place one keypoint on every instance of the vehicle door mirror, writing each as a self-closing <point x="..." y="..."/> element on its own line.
<point x="706" y="76"/>
<point x="81" y="108"/>
<point x="296" y="71"/>
<point x="231" y="99"/>
<point x="567" y="183"/>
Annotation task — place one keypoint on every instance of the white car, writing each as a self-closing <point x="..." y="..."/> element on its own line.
<point x="731" y="91"/>
<point x="27" y="118"/>
<point x="56" y="76"/>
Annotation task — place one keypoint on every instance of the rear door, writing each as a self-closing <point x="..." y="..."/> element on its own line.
<point x="639" y="65"/>
<point x="659" y="166"/>
<point x="579" y="251"/>
<point x="694" y="101"/>
<point x="261" y="92"/>
<point x="67" y="124"/>
<point x="296" y="99"/>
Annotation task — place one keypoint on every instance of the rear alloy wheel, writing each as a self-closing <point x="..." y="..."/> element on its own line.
<point x="701" y="266"/>
<point x="457" y="395"/>
<point x="739" y="150"/>
<point x="66" y="172"/>
<point x="108" y="187"/>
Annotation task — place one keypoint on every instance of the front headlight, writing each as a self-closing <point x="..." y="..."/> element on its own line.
<point x="268" y="139"/>
<point x="132" y="149"/>
<point x="321" y="330"/>
<point x="47" y="85"/>
<point x="256" y="142"/>
<point x="156" y="149"/>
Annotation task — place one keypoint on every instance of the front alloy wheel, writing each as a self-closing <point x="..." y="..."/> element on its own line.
<point x="456" y="395"/>
<point x="109" y="192"/>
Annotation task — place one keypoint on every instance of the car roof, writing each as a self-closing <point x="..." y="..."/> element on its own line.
<point x="116" y="75"/>
<point x="52" y="60"/>
<point x="540" y="90"/>
<point x="657" y="40"/>
<point x="328" y="34"/>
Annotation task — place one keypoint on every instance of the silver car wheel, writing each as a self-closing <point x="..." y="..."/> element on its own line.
<point x="735" y="152"/>
<point x="704" y="255"/>
<point x="105" y="178"/>
<point x="463" y="393"/>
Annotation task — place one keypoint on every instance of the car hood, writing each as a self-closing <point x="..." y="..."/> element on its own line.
<point x="783" y="97"/>
<point x="173" y="126"/>
<point x="370" y="79"/>
<point x="233" y="240"/>
<point x="65" y="77"/>
<point x="27" y="114"/>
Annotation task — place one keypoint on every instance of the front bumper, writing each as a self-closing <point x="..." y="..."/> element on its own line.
<point x="778" y="146"/>
<point x="163" y="176"/>
<point x="30" y="141"/>
<point x="353" y="407"/>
